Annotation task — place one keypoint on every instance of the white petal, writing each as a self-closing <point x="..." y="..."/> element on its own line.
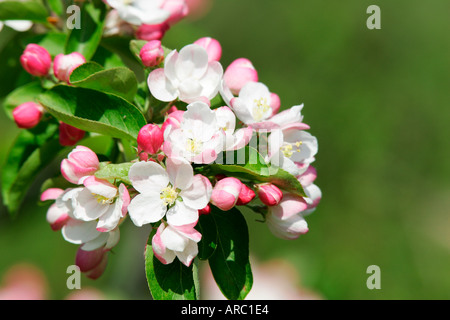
<point x="254" y="90"/>
<point x="19" y="25"/>
<point x="113" y="239"/>
<point x="78" y="232"/>
<point x="169" y="67"/>
<point x="159" y="248"/>
<point x="161" y="87"/>
<point x="291" y="115"/>
<point x="110" y="219"/>
<point x="173" y="240"/>
<point x="188" y="254"/>
<point x="100" y="187"/>
<point x="180" y="215"/>
<point x="180" y="172"/>
<point x="242" y="110"/>
<point x="289" y="229"/>
<point x="199" y="122"/>
<point x="198" y="194"/>
<point x="96" y="243"/>
<point x="210" y="82"/>
<point x="192" y="62"/>
<point x="144" y="209"/>
<point x="148" y="177"/>
<point x="86" y="207"/>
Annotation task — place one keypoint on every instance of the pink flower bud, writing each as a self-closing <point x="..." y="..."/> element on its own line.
<point x="152" y="53"/>
<point x="178" y="10"/>
<point x="226" y="193"/>
<point x="68" y="135"/>
<point x="173" y="120"/>
<point x="205" y="210"/>
<point x="238" y="73"/>
<point x="63" y="65"/>
<point x="80" y="163"/>
<point x="93" y="263"/>
<point x="36" y="60"/>
<point x="150" y="138"/>
<point x="150" y="32"/>
<point x="28" y="115"/>
<point x="212" y="47"/>
<point x="245" y="196"/>
<point x="275" y="103"/>
<point x="269" y="194"/>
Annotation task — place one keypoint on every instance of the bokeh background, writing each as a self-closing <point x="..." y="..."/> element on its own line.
<point x="378" y="102"/>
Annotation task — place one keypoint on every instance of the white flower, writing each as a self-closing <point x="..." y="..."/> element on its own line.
<point x="140" y="12"/>
<point x="18" y="25"/>
<point x="86" y="234"/>
<point x="198" y="139"/>
<point x="186" y="75"/>
<point x="290" y="148"/>
<point x="175" y="193"/>
<point x="99" y="201"/>
<point x="234" y="139"/>
<point x="170" y="242"/>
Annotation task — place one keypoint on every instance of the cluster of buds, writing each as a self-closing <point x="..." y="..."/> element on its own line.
<point x="37" y="61"/>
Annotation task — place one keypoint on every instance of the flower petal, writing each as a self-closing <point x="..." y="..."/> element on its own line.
<point x="180" y="171"/>
<point x="188" y="254"/>
<point x="180" y="214"/>
<point x="159" y="248"/>
<point x="78" y="232"/>
<point x="144" y="209"/>
<point x="161" y="87"/>
<point x="148" y="177"/>
<point x="197" y="196"/>
<point x="192" y="62"/>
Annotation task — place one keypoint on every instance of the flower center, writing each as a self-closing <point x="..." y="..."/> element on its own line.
<point x="169" y="194"/>
<point x="288" y="149"/>
<point x="103" y="200"/>
<point x="260" y="108"/>
<point x="127" y="2"/>
<point x="194" y="146"/>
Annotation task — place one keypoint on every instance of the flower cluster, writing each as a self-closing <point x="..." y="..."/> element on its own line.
<point x="206" y="141"/>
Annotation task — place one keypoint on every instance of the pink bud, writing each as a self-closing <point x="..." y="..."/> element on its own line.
<point x="238" y="73"/>
<point x="150" y="138"/>
<point x="28" y="115"/>
<point x="177" y="8"/>
<point x="36" y="60"/>
<point x="269" y="194"/>
<point x="212" y="47"/>
<point x="150" y="32"/>
<point x="68" y="135"/>
<point x="173" y="120"/>
<point x="275" y="103"/>
<point x="205" y="210"/>
<point x="245" y="196"/>
<point x="80" y="163"/>
<point x="63" y="65"/>
<point x="152" y="53"/>
<point x="93" y="263"/>
<point x="226" y="193"/>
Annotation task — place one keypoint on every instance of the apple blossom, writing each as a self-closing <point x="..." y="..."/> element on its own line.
<point x="186" y="75"/>
<point x="18" y="25"/>
<point x="226" y="121"/>
<point x="198" y="139"/>
<point x="63" y="65"/>
<point x="245" y="196"/>
<point x="36" y="60"/>
<point x="175" y="241"/>
<point x="238" y="74"/>
<point x="226" y="193"/>
<point x="150" y="138"/>
<point x="174" y="193"/>
<point x="81" y="163"/>
<point x="139" y="12"/>
<point x="178" y="9"/>
<point x="57" y="217"/>
<point x="173" y="121"/>
<point x="285" y="220"/>
<point x="27" y="115"/>
<point x="291" y="147"/>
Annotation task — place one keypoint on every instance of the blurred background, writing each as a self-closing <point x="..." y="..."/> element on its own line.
<point x="378" y="102"/>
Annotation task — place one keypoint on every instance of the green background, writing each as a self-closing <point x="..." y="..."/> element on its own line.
<point x="378" y="102"/>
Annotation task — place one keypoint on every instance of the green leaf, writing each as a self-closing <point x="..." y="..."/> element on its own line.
<point x="115" y="171"/>
<point x="230" y="264"/>
<point x="86" y="39"/>
<point x="173" y="281"/>
<point x="136" y="46"/>
<point x="120" y="81"/>
<point x="107" y="58"/>
<point x="31" y="152"/>
<point x="26" y="93"/>
<point x="85" y="70"/>
<point x="207" y="227"/>
<point x="23" y="10"/>
<point x="94" y="111"/>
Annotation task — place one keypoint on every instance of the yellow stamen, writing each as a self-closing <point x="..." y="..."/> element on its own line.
<point x="194" y="146"/>
<point x="287" y="150"/>
<point x="260" y="109"/>
<point x="103" y="200"/>
<point x="168" y="195"/>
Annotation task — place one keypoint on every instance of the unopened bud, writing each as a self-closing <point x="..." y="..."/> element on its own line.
<point x="28" y="115"/>
<point x="36" y="60"/>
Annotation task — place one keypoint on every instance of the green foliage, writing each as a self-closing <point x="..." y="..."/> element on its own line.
<point x="23" y="10"/>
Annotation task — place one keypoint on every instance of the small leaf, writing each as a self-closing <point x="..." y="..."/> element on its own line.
<point x="23" y="10"/>
<point x="120" y="81"/>
<point x="230" y="264"/>
<point x="26" y="93"/>
<point x="84" y="71"/>
<point x="115" y="171"/>
<point x="94" y="111"/>
<point x="173" y="281"/>
<point x="86" y="39"/>
<point x="136" y="46"/>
